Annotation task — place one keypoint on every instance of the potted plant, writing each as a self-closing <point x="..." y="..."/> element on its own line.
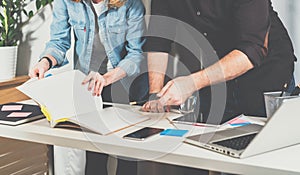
<point x="12" y="14"/>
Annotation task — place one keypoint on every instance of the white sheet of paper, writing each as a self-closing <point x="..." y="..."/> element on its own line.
<point x="63" y="94"/>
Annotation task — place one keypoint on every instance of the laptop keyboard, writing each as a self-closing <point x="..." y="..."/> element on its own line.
<point x="237" y="143"/>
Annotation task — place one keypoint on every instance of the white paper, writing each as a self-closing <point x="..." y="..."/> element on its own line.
<point x="62" y="94"/>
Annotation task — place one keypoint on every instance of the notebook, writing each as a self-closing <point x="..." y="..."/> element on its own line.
<point x="18" y="113"/>
<point x="281" y="130"/>
<point x="67" y="103"/>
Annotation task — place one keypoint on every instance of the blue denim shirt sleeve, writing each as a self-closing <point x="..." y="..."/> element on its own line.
<point x="134" y="37"/>
<point x="60" y="35"/>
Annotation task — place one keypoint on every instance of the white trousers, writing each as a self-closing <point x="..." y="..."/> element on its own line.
<point x="71" y="161"/>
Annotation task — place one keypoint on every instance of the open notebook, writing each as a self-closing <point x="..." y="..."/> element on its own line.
<point x="67" y="103"/>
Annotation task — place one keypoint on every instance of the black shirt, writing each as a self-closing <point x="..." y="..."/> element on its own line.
<point x="251" y="26"/>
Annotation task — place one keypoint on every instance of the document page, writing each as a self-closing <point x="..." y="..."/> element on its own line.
<point x="63" y="94"/>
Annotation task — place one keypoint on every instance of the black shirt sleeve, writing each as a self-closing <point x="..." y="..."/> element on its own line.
<point x="160" y="34"/>
<point x="252" y="23"/>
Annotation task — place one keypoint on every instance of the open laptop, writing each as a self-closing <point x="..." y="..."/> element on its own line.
<point x="281" y="130"/>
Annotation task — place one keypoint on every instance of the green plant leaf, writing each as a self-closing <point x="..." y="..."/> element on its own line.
<point x="1" y="18"/>
<point x="30" y="14"/>
<point x="44" y="2"/>
<point x="25" y="12"/>
<point x="38" y="4"/>
<point x="10" y="19"/>
<point x="1" y="43"/>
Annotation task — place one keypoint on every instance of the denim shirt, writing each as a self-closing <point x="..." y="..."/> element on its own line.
<point x="121" y="33"/>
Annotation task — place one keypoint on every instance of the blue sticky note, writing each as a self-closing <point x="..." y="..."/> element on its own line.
<point x="48" y="75"/>
<point x="174" y="132"/>
<point x="240" y="124"/>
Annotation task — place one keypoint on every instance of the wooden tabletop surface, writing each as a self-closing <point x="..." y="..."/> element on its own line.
<point x="8" y="92"/>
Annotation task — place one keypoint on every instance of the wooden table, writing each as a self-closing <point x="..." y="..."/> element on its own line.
<point x="20" y="157"/>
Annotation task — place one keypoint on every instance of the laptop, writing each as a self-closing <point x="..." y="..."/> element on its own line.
<point x="281" y="130"/>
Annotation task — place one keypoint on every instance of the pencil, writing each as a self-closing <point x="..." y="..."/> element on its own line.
<point x="138" y="102"/>
<point x="284" y="89"/>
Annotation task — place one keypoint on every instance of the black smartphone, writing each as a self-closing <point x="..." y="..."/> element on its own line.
<point x="143" y="133"/>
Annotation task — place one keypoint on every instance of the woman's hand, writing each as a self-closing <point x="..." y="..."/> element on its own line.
<point x="39" y="69"/>
<point x="96" y="83"/>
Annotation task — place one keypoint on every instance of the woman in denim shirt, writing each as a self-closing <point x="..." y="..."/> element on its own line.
<point x="107" y="33"/>
<point x="121" y="26"/>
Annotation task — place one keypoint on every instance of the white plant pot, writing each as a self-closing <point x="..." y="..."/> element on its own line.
<point x="8" y="62"/>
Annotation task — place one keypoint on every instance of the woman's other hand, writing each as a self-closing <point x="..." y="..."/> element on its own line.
<point x="96" y="83"/>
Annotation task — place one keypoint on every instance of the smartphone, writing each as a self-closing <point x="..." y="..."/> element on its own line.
<point x="143" y="133"/>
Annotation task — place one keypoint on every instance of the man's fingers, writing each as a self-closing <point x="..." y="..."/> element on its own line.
<point x="145" y="107"/>
<point x="153" y="106"/>
<point x="160" y="107"/>
<point x="165" y="88"/>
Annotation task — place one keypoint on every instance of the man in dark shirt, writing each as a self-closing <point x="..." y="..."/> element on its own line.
<point x="255" y="54"/>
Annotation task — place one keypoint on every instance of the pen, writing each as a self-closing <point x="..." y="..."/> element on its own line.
<point x="172" y="123"/>
<point x="284" y="89"/>
<point x="198" y="124"/>
<point x="204" y="125"/>
<point x="296" y="91"/>
<point x="138" y="102"/>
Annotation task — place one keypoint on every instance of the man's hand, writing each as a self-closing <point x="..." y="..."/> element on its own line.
<point x="96" y="83"/>
<point x="176" y="91"/>
<point x="153" y="104"/>
<point x="39" y="69"/>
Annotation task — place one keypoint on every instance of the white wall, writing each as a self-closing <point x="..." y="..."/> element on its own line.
<point x="289" y="12"/>
<point x="35" y="35"/>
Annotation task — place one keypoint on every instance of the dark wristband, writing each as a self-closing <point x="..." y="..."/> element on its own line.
<point x="153" y="96"/>
<point x="49" y="61"/>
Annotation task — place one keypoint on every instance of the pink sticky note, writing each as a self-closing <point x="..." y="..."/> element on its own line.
<point x="12" y="108"/>
<point x="19" y="114"/>
<point x="237" y="120"/>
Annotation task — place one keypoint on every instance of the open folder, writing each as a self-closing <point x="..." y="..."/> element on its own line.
<point x="67" y="103"/>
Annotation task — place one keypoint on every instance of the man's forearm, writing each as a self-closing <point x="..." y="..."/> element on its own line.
<point x="229" y="67"/>
<point x="157" y="65"/>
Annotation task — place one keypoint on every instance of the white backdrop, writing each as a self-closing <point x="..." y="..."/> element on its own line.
<point x="289" y="12"/>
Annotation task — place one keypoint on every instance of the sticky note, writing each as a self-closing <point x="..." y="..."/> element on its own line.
<point x="48" y="75"/>
<point x="174" y="132"/>
<point x="19" y="114"/>
<point x="12" y="108"/>
<point x="238" y="122"/>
